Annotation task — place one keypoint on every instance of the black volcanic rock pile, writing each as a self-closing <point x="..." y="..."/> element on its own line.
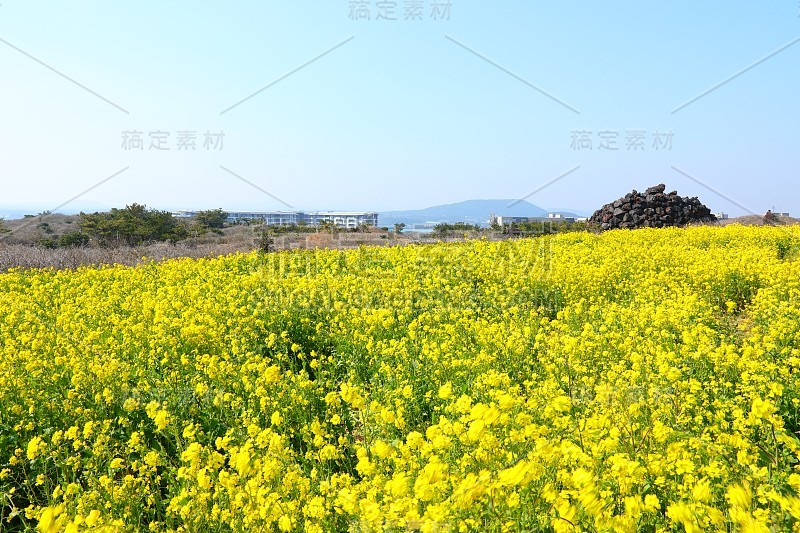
<point x="651" y="209"/>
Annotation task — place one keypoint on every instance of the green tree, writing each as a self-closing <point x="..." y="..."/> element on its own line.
<point x="398" y="228"/>
<point x="73" y="238"/>
<point x="45" y="226"/>
<point x="196" y="230"/>
<point x="68" y="240"/>
<point x="444" y="229"/>
<point x="47" y="242"/>
<point x="133" y="226"/>
<point x="326" y="226"/>
<point x="211" y="219"/>
<point x="3" y="228"/>
<point x="264" y="239"/>
<point x="300" y="227"/>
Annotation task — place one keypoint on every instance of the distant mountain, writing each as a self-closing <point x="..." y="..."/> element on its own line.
<point x="469" y="211"/>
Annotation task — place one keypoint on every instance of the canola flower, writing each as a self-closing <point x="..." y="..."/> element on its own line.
<point x="627" y="381"/>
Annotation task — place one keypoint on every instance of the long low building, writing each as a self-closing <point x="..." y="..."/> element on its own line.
<point x="508" y="220"/>
<point x="343" y="219"/>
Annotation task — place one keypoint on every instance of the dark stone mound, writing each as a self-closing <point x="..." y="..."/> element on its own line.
<point x="651" y="209"/>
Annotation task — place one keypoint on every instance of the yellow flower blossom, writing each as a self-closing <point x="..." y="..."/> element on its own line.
<point x="572" y="382"/>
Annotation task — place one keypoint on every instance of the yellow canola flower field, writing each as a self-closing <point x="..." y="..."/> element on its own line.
<point x="630" y="381"/>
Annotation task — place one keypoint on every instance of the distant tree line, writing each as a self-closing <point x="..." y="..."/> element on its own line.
<point x="531" y="228"/>
<point x="541" y="227"/>
<point x="300" y="227"/>
<point x="71" y="239"/>
<point x="326" y="226"/>
<point x="137" y="225"/>
<point x="133" y="226"/>
<point x="444" y="229"/>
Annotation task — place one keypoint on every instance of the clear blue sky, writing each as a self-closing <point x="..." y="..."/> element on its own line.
<point x="403" y="115"/>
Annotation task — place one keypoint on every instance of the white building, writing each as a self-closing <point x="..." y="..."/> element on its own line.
<point x="507" y="220"/>
<point x="270" y="218"/>
<point x="343" y="219"/>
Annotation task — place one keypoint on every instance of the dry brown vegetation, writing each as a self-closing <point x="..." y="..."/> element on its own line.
<point x="30" y="230"/>
<point x="758" y="220"/>
<point x="19" y="248"/>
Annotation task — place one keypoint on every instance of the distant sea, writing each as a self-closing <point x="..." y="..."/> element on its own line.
<point x="13" y="214"/>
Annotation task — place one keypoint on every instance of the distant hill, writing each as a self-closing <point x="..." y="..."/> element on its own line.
<point x="469" y="211"/>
